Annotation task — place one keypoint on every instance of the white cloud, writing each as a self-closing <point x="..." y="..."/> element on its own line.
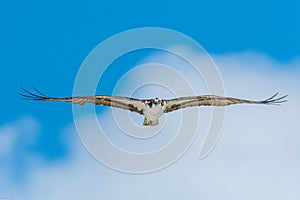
<point x="257" y="156"/>
<point x="14" y="136"/>
<point x="7" y="139"/>
<point x="25" y="127"/>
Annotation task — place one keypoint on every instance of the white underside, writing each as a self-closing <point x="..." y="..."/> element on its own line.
<point x="152" y="115"/>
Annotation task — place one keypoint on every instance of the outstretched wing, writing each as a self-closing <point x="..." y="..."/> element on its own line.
<point x="211" y="100"/>
<point x="126" y="103"/>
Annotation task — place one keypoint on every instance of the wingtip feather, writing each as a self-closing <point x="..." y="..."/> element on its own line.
<point x="275" y="101"/>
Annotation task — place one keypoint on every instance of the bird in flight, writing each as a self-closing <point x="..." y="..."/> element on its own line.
<point x="152" y="109"/>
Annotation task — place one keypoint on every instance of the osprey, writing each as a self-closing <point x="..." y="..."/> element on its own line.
<point x="152" y="109"/>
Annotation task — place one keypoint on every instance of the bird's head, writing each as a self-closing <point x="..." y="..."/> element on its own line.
<point x="155" y="102"/>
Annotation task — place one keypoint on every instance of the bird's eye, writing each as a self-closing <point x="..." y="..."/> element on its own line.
<point x="150" y="104"/>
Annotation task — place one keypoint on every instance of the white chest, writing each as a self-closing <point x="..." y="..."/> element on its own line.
<point x="154" y="112"/>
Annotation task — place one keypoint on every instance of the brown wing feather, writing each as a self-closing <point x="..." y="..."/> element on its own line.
<point x="131" y="104"/>
<point x="211" y="100"/>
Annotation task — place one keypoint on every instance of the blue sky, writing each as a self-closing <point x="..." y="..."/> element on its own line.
<point x="44" y="43"/>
